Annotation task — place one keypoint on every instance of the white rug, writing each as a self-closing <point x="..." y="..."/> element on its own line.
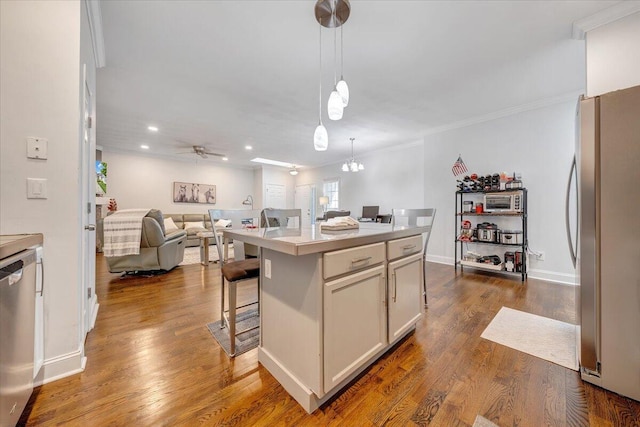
<point x="538" y="336"/>
<point x="192" y="254"/>
<point x="483" y="422"/>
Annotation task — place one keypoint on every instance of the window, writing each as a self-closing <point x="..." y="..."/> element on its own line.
<point x="330" y="188"/>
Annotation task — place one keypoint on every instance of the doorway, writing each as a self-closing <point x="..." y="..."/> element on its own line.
<point x="304" y="197"/>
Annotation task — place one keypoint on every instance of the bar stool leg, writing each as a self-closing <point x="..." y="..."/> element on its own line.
<point x="232" y="318"/>
<point x="222" y="302"/>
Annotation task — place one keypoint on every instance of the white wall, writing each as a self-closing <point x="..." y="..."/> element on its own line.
<point x="147" y="182"/>
<point x="613" y="56"/>
<point x="537" y="143"/>
<point x="392" y="178"/>
<point x="40" y="80"/>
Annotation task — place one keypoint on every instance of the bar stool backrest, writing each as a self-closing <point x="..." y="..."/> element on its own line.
<point x="239" y="218"/>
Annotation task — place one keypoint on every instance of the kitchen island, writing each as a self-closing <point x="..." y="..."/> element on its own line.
<point x="331" y="303"/>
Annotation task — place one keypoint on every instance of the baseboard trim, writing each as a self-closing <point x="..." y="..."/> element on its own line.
<point x="440" y="259"/>
<point x="62" y="366"/>
<point x="94" y="314"/>
<point x="552" y="276"/>
<point x="534" y="273"/>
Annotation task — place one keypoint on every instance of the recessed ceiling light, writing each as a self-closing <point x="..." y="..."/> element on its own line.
<point x="225" y="159"/>
<point x="153" y="128"/>
<point x="144" y="147"/>
<point x="248" y="147"/>
<point x="271" y="162"/>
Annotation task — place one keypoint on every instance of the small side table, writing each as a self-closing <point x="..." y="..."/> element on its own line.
<point x="205" y="240"/>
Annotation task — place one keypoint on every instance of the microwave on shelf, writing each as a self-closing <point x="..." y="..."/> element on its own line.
<point x="503" y="202"/>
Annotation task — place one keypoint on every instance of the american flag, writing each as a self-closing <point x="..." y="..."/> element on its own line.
<point x="459" y="167"/>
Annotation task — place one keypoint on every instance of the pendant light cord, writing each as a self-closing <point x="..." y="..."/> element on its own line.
<point x="320" y="78"/>
<point x="341" y="55"/>
<point x="335" y="49"/>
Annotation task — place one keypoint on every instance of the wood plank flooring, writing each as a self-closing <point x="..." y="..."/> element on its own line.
<point x="152" y="362"/>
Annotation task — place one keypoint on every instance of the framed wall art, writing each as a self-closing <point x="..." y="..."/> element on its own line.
<point x="188" y="192"/>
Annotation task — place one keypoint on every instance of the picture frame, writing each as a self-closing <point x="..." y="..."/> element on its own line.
<point x="190" y="192"/>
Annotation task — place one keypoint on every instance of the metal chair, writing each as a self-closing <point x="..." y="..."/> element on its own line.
<point x="415" y="217"/>
<point x="234" y="271"/>
<point x="281" y="217"/>
<point x="333" y="214"/>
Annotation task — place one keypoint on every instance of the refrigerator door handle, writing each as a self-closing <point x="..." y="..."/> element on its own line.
<point x="572" y="250"/>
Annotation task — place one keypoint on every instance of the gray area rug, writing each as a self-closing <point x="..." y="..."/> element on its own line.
<point x="538" y="336"/>
<point x="245" y="341"/>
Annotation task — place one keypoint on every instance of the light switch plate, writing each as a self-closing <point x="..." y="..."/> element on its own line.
<point x="36" y="188"/>
<point x="37" y="148"/>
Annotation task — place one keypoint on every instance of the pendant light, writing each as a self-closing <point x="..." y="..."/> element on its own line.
<point x="342" y="87"/>
<point x="335" y="106"/>
<point x="320" y="136"/>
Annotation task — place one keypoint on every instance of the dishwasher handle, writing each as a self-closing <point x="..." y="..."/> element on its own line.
<point x="12" y="272"/>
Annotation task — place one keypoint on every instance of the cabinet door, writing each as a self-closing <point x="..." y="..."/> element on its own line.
<point x="354" y="323"/>
<point x="405" y="294"/>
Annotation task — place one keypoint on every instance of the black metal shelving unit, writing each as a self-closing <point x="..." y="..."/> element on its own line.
<point x="460" y="215"/>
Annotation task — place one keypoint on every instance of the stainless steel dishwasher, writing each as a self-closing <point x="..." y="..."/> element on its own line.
<point x="17" y="317"/>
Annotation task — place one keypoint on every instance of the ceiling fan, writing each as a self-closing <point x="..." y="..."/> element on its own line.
<point x="203" y="152"/>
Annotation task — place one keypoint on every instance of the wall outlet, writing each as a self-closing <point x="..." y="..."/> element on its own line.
<point x="540" y="256"/>
<point x="267" y="268"/>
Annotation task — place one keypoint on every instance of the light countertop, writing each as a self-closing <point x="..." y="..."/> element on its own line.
<point x="11" y="244"/>
<point x="311" y="239"/>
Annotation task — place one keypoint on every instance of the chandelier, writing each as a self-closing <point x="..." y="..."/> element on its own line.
<point x="331" y="14"/>
<point x="351" y="165"/>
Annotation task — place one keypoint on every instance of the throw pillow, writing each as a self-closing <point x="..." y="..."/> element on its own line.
<point x="169" y="225"/>
<point x="188" y="225"/>
<point x="222" y="223"/>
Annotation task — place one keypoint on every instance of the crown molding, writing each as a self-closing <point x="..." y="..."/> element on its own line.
<point x="542" y="103"/>
<point x="95" y="27"/>
<point x="582" y="26"/>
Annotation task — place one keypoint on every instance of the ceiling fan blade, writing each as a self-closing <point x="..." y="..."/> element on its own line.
<point x="214" y="154"/>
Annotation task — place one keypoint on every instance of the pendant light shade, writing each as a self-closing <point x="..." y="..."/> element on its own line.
<point x="343" y="90"/>
<point x="321" y="138"/>
<point x="335" y="106"/>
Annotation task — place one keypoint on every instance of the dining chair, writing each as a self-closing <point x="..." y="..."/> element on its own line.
<point x="415" y="217"/>
<point x="233" y="272"/>
<point x="281" y="217"/>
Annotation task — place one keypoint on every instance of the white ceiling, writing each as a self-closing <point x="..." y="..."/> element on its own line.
<point x="224" y="74"/>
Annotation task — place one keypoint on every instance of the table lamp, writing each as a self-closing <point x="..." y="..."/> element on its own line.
<point x="324" y="201"/>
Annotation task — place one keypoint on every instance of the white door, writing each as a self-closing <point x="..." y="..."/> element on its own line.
<point x="88" y="177"/>
<point x="405" y="294"/>
<point x="305" y="195"/>
<point x="275" y="196"/>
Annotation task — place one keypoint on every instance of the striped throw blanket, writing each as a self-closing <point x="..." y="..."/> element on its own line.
<point x="122" y="232"/>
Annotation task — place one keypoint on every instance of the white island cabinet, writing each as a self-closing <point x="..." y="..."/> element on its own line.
<point x="328" y="307"/>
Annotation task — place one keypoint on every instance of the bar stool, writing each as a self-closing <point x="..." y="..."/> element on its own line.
<point x="414" y="217"/>
<point x="235" y="271"/>
<point x="281" y="217"/>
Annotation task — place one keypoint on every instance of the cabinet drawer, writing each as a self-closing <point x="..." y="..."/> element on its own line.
<point x="352" y="259"/>
<point x="403" y="247"/>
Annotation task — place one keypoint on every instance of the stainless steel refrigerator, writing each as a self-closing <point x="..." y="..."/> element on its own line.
<point x="606" y="250"/>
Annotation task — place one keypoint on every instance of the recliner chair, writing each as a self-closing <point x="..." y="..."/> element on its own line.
<point x="158" y="251"/>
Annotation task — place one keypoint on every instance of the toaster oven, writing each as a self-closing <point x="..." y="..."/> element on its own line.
<point x="503" y="202"/>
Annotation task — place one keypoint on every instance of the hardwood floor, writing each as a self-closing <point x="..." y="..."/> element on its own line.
<point x="152" y="362"/>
